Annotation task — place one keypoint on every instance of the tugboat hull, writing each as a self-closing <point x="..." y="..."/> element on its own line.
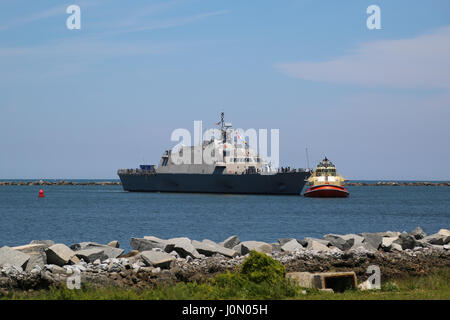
<point x="326" y="191"/>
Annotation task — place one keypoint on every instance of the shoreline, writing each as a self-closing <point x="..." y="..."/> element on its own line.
<point x="42" y="264"/>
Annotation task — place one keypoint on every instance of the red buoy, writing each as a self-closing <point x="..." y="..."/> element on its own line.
<point x="41" y="193"/>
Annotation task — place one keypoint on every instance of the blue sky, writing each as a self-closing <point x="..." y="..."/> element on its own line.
<point x="83" y="103"/>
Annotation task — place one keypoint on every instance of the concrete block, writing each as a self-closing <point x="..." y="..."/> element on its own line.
<point x="338" y="281"/>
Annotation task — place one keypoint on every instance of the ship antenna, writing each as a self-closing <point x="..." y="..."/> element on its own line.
<point x="307" y="159"/>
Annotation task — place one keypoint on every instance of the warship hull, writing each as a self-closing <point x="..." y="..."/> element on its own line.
<point x="287" y="183"/>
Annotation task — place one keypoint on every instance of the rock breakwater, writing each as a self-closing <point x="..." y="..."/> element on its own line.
<point x="43" y="263"/>
<point x="118" y="183"/>
<point x="60" y="183"/>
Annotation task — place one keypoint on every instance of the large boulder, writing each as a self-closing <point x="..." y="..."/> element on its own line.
<point x="46" y="243"/>
<point x="157" y="258"/>
<point x="183" y="247"/>
<point x="36" y="251"/>
<point x="108" y="251"/>
<point x="307" y="240"/>
<point x="83" y="245"/>
<point x="407" y="241"/>
<point x="372" y="240"/>
<point x="13" y="257"/>
<point x="354" y="239"/>
<point x="29" y="248"/>
<point x="386" y="243"/>
<point x="60" y="255"/>
<point x="36" y="259"/>
<point x="437" y="239"/>
<point x="418" y="233"/>
<point x="230" y="242"/>
<point x="339" y="241"/>
<point x="92" y="254"/>
<point x="283" y="241"/>
<point x="149" y="243"/>
<point x="317" y="246"/>
<point x="389" y="234"/>
<point x="245" y="247"/>
<point x="445" y="232"/>
<point x="291" y="246"/>
<point x="209" y="248"/>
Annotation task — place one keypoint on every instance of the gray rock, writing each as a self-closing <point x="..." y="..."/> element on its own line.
<point x="339" y="242"/>
<point x="114" y="244"/>
<point x="276" y="247"/>
<point x="407" y="241"/>
<point x="92" y="254"/>
<point x="46" y="243"/>
<point x="283" y="241"/>
<point x="110" y="252"/>
<point x="258" y="246"/>
<point x="156" y="270"/>
<point x="55" y="269"/>
<point x="444" y="232"/>
<point x="207" y="241"/>
<point x="437" y="239"/>
<point x="209" y="248"/>
<point x="373" y="240"/>
<point x="12" y="271"/>
<point x="389" y="234"/>
<point x="386" y="243"/>
<point x="354" y="239"/>
<point x="317" y="246"/>
<point x="157" y="259"/>
<point x="36" y="271"/>
<point x="365" y="247"/>
<point x="418" y="233"/>
<point x="37" y="259"/>
<point x="291" y="246"/>
<point x="150" y="242"/>
<point x="37" y="255"/>
<point x="83" y="245"/>
<point x="322" y="241"/>
<point x="175" y="254"/>
<point x="184" y="247"/>
<point x="13" y="257"/>
<point x="395" y="247"/>
<point x="60" y="254"/>
<point x="231" y="242"/>
<point x="35" y="247"/>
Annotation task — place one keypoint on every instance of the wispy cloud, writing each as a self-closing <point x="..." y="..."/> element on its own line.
<point x="133" y="24"/>
<point x="423" y="61"/>
<point x="33" y="17"/>
<point x="44" y="14"/>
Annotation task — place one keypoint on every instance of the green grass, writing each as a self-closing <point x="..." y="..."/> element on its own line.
<point x="260" y="277"/>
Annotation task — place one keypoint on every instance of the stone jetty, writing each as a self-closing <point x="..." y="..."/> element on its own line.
<point x="43" y="263"/>
<point x="118" y="183"/>
<point x="59" y="183"/>
<point x="399" y="183"/>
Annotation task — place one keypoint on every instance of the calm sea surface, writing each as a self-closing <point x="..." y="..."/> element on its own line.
<point x="71" y="214"/>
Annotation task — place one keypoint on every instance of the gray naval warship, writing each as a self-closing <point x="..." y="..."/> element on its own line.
<point x="238" y="169"/>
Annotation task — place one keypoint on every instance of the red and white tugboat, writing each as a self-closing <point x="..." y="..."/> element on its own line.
<point x="325" y="182"/>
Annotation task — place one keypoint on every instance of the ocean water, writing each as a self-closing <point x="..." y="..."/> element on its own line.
<point x="71" y="214"/>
